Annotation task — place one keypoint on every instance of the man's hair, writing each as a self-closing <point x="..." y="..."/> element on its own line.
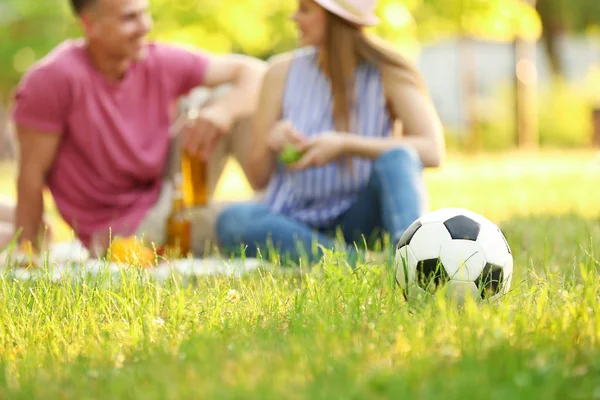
<point x="80" y="5"/>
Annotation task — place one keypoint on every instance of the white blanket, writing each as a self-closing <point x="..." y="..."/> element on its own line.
<point x="71" y="260"/>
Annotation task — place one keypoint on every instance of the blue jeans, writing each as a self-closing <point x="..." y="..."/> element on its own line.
<point x="393" y="198"/>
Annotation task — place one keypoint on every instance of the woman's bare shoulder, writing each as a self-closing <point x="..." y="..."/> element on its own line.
<point x="279" y="65"/>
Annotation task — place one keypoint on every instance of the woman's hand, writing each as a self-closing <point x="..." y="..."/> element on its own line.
<point x="321" y="150"/>
<point x="282" y="134"/>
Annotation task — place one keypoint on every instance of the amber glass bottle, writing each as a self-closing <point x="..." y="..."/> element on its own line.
<point x="178" y="224"/>
<point x="194" y="172"/>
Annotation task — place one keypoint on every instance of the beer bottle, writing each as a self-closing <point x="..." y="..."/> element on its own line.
<point x="178" y="225"/>
<point x="195" y="180"/>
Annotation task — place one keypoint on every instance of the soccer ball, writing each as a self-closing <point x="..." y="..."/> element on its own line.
<point x="457" y="250"/>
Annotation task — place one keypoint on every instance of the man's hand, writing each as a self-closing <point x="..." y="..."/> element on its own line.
<point x="214" y="120"/>
<point x="204" y="129"/>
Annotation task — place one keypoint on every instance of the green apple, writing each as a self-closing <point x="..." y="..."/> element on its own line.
<point x="290" y="154"/>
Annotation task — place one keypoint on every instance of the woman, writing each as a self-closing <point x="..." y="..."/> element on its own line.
<point x="340" y="100"/>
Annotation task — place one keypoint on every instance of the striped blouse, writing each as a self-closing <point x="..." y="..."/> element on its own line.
<point x="317" y="196"/>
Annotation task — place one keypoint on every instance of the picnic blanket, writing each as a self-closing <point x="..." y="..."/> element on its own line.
<point x="71" y="260"/>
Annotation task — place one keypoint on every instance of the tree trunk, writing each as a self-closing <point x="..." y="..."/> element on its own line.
<point x="526" y="92"/>
<point x="553" y="26"/>
<point x="468" y="75"/>
<point x="596" y="127"/>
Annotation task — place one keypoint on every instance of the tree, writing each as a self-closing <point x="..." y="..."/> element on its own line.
<point x="29" y="29"/>
<point x="497" y="20"/>
<point x="560" y="16"/>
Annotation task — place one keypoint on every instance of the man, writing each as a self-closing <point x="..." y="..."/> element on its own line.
<point x="92" y="121"/>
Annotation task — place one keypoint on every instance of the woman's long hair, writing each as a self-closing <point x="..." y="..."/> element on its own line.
<point x="346" y="46"/>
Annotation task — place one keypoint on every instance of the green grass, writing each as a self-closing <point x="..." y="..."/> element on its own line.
<point x="330" y="333"/>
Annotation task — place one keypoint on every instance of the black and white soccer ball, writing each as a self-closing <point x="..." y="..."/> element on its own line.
<point x="455" y="249"/>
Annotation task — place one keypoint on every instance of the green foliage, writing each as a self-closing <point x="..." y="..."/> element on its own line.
<point x="492" y="20"/>
<point x="568" y="15"/>
<point x="30" y="28"/>
<point x="262" y="28"/>
<point x="563" y="116"/>
<point x="226" y="26"/>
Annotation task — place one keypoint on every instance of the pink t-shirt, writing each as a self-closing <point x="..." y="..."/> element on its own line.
<point x="115" y="136"/>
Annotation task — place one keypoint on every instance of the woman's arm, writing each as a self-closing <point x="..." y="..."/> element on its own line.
<point x="261" y="161"/>
<point x="420" y="125"/>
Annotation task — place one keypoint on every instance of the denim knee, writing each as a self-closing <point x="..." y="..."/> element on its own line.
<point x="234" y="223"/>
<point x="404" y="155"/>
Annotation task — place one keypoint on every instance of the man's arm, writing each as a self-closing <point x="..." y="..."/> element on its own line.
<point x="41" y="104"/>
<point x="37" y="152"/>
<point x="216" y="119"/>
<point x="245" y="74"/>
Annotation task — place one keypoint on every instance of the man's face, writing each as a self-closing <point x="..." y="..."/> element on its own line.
<point x="119" y="26"/>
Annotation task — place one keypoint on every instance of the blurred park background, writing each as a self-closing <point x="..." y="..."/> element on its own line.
<point x="502" y="73"/>
<point x="505" y="75"/>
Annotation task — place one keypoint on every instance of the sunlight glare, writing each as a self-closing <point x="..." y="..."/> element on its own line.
<point x="397" y="15"/>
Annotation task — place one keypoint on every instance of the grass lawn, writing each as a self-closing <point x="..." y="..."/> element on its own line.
<point x="331" y="334"/>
